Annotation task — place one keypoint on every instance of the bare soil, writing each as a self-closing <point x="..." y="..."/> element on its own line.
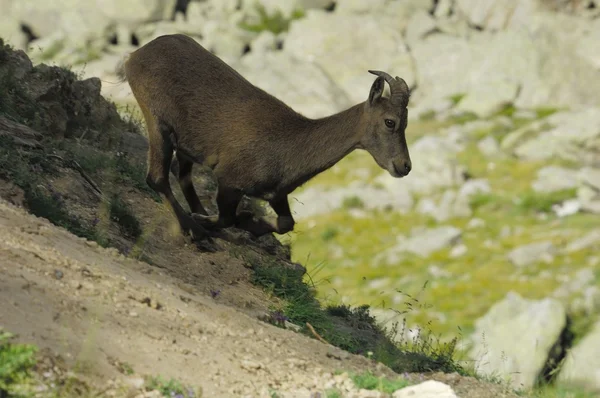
<point x="96" y="309"/>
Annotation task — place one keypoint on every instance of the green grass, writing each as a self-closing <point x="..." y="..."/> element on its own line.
<point x="16" y="365"/>
<point x="274" y="22"/>
<point x="369" y="381"/>
<point x="352" y="329"/>
<point x="170" y="387"/>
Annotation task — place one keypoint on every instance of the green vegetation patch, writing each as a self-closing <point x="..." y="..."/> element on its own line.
<point x="275" y="22"/>
<point x="352" y="329"/>
<point x="16" y="366"/>
<point x="369" y="381"/>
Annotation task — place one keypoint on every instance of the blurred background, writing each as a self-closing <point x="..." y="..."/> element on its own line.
<point x="495" y="232"/>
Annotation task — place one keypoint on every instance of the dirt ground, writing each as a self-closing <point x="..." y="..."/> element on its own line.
<point x="95" y="309"/>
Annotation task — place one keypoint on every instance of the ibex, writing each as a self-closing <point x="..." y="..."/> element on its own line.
<point x="196" y="105"/>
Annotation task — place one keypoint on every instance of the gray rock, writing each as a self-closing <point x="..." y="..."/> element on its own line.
<point x="424" y="242"/>
<point x="563" y="135"/>
<point x="497" y="15"/>
<point x="588" y="240"/>
<point x="313" y="201"/>
<point x="554" y="178"/>
<point x="532" y="253"/>
<point x="420" y="24"/>
<point x="426" y="389"/>
<point x="308" y="41"/>
<point x="582" y="365"/>
<point x="453" y="203"/>
<point x="488" y="146"/>
<point x="487" y="99"/>
<point x="311" y="91"/>
<point x="513" y="340"/>
<point x="435" y="166"/>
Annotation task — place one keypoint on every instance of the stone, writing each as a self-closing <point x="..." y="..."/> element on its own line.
<point x="563" y="135"/>
<point x="424" y="242"/>
<point x="488" y="146"/>
<point x="489" y="97"/>
<point x="532" y="253"/>
<point x="434" y="165"/>
<point x="581" y="367"/>
<point x="590" y="239"/>
<point x="421" y="23"/>
<point x="514" y="338"/>
<point x="426" y="389"/>
<point x="531" y="58"/>
<point x="453" y="203"/>
<point x="554" y="178"/>
<point x="497" y="15"/>
<point x="329" y="48"/>
<point x="300" y="84"/>
<point x="314" y="201"/>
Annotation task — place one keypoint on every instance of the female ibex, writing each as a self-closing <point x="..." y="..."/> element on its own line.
<point x="198" y="106"/>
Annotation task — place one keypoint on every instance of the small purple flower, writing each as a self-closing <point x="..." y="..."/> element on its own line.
<point x="214" y="293"/>
<point x="95" y="221"/>
<point x="278" y="317"/>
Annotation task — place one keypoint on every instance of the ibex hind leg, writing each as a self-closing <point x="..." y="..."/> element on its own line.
<point x="160" y="155"/>
<point x="184" y="177"/>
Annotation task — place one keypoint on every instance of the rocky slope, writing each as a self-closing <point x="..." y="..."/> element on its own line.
<point x="494" y="232"/>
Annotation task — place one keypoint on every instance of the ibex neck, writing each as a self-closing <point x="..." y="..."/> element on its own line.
<point x="325" y="141"/>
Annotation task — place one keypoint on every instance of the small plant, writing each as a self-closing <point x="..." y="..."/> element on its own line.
<point x="170" y="388"/>
<point x="369" y="381"/>
<point x="275" y="22"/>
<point x="353" y="202"/>
<point x="16" y="363"/>
<point x="124" y="217"/>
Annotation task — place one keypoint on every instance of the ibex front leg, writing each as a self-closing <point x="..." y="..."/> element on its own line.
<point x="264" y="225"/>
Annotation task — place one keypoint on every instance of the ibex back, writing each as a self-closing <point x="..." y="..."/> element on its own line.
<point x="198" y="106"/>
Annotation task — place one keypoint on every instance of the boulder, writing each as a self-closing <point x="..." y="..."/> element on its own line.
<point x="581" y="367"/>
<point x="532" y="253"/>
<point x="328" y="39"/>
<point x="423" y="242"/>
<point x="426" y="389"/>
<point x="495" y="15"/>
<point x="514" y="339"/>
<point x="554" y="178"/>
<point x="301" y="84"/>
<point x="569" y="135"/>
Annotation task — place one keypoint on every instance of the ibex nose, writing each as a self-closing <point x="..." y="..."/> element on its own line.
<point x="407" y="166"/>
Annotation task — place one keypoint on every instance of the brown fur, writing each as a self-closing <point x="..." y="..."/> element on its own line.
<point x="197" y="105"/>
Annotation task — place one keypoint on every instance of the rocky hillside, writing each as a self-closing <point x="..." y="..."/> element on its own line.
<point x="490" y="242"/>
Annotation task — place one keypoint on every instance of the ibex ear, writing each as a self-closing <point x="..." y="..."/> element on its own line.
<point x="376" y="90"/>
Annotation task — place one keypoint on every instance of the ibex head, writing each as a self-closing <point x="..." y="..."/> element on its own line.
<point x="384" y="137"/>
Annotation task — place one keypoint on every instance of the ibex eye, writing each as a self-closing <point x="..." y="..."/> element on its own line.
<point x="390" y="123"/>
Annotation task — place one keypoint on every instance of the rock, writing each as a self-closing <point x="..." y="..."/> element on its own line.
<point x="427" y="389"/>
<point x="488" y="146"/>
<point x="591" y="177"/>
<point x="302" y="85"/>
<point x="453" y="203"/>
<point x="420" y="24"/>
<point x="314" y="201"/>
<point x="581" y="367"/>
<point x="424" y="242"/>
<point x="591" y="239"/>
<point x="532" y="253"/>
<point x="565" y="135"/>
<point x="435" y="166"/>
<point x="567" y="208"/>
<point x="489" y="97"/>
<point x="496" y="15"/>
<point x="329" y="48"/>
<point x="514" y="339"/>
<point x="554" y="178"/>
<point x="508" y="59"/>
<point x="588" y="44"/>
